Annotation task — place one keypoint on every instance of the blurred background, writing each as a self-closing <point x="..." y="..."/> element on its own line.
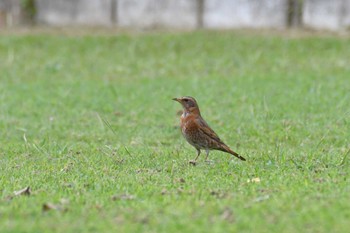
<point x="178" y="14"/>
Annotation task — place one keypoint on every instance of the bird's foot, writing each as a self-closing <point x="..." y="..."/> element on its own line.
<point x="209" y="162"/>
<point x="193" y="162"/>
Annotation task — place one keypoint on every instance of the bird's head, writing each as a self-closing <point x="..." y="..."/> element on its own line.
<point x="188" y="103"/>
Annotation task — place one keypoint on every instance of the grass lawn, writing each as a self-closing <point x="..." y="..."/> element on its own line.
<point x="87" y="121"/>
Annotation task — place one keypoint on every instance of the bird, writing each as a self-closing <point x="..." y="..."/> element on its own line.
<point x="197" y="132"/>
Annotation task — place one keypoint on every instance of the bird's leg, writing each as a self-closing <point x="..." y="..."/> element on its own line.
<point x="207" y="152"/>
<point x="198" y="154"/>
<point x="193" y="162"/>
<point x="206" y="158"/>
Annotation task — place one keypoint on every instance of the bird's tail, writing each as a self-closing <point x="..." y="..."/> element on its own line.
<point x="228" y="150"/>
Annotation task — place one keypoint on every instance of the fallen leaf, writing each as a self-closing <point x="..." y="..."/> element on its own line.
<point x="142" y="219"/>
<point x="117" y="113"/>
<point x="254" y="180"/>
<point x="227" y="215"/>
<point x="261" y="198"/>
<point x="26" y="192"/>
<point x="98" y="207"/>
<point x="218" y="194"/>
<point x="64" y="201"/>
<point x="123" y="197"/>
<point x="180" y="180"/>
<point x="68" y="185"/>
<point x="9" y="197"/>
<point x="164" y="192"/>
<point x="50" y="206"/>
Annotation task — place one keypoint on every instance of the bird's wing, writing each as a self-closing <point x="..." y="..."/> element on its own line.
<point x="206" y="130"/>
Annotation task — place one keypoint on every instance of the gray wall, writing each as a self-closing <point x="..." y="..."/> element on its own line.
<point x="156" y="13"/>
<point x="183" y="14"/>
<point x="164" y="13"/>
<point x="326" y="14"/>
<point x="245" y="13"/>
<point x="10" y="13"/>
<point x="76" y="12"/>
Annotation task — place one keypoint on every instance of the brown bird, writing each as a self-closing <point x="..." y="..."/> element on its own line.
<point x="197" y="132"/>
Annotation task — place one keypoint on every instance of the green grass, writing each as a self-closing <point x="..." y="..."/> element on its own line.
<point x="87" y="122"/>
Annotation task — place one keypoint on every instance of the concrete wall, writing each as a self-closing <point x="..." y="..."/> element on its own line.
<point x="10" y="13"/>
<point x="183" y="14"/>
<point x="156" y="13"/>
<point x="326" y="14"/>
<point x="74" y="12"/>
<point x="245" y="13"/>
<point x="164" y="13"/>
<point x="346" y="19"/>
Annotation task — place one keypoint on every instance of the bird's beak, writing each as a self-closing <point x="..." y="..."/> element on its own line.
<point x="176" y="99"/>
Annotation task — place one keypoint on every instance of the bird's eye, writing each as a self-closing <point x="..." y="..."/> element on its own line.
<point x="186" y="100"/>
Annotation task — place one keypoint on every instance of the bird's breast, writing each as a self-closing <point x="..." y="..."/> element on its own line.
<point x="190" y="129"/>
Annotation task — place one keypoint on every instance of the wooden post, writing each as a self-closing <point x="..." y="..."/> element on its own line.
<point x="294" y="13"/>
<point x="200" y="12"/>
<point x="114" y="12"/>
